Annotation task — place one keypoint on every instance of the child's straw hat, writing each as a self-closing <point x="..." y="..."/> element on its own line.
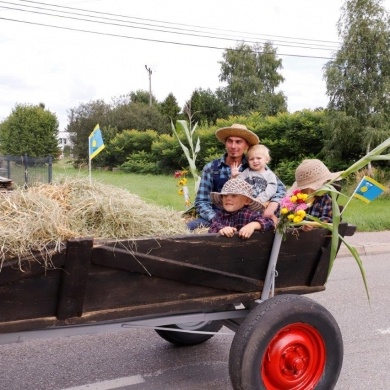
<point x="313" y="174"/>
<point x="236" y="187"/>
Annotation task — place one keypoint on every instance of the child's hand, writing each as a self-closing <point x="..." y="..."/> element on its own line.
<point x="306" y="228"/>
<point x="235" y="169"/>
<point x="246" y="231"/>
<point x="227" y="231"/>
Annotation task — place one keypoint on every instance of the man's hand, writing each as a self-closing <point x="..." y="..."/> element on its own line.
<point x="227" y="231"/>
<point x="235" y="169"/>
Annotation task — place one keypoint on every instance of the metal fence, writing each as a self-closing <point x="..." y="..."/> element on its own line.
<point x="27" y="171"/>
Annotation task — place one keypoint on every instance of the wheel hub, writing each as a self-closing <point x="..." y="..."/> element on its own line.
<point x="295" y="359"/>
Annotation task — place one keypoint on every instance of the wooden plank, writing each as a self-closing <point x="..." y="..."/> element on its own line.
<point x="74" y="278"/>
<point x="203" y="304"/>
<point x="30" y="298"/>
<point x="14" y="270"/>
<point x="233" y="255"/>
<point x="171" y="269"/>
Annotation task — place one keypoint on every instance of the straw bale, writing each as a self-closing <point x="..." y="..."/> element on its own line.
<point x="42" y="218"/>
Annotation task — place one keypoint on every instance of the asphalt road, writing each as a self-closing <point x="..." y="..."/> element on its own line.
<point x="140" y="360"/>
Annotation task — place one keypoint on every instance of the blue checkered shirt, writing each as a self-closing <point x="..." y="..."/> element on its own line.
<point x="238" y="219"/>
<point x="322" y="208"/>
<point x="203" y="204"/>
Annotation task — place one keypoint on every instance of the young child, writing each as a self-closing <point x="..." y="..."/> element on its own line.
<point x="310" y="176"/>
<point x="262" y="180"/>
<point x="239" y="211"/>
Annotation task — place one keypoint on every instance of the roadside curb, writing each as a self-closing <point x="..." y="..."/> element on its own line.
<point x="365" y="250"/>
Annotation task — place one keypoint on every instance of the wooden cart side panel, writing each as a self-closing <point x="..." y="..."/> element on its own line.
<point x="74" y="278"/>
<point x="247" y="258"/>
<point x="14" y="269"/>
<point x="31" y="297"/>
<point x="198" y="304"/>
<point x="174" y="270"/>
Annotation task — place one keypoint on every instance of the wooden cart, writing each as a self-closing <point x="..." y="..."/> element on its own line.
<point x="187" y="288"/>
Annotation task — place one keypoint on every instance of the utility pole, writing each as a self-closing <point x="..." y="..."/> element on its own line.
<point x="150" y="84"/>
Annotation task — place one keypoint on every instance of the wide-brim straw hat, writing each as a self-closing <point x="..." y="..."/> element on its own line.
<point x="313" y="174"/>
<point x="237" y="130"/>
<point x="236" y="187"/>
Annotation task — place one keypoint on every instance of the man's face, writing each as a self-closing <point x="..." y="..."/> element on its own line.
<point x="234" y="202"/>
<point x="236" y="146"/>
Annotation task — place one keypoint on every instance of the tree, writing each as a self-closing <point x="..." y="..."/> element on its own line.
<point x="140" y="116"/>
<point x="358" y="81"/>
<point x="81" y="122"/>
<point x="141" y="96"/>
<point x="169" y="108"/>
<point x="252" y="77"/>
<point x="207" y="107"/>
<point x="30" y="130"/>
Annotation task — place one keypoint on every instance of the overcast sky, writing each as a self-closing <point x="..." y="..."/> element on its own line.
<point x="48" y="59"/>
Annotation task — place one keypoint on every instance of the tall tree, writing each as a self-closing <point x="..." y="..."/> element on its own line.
<point x="252" y="77"/>
<point x="30" y="130"/>
<point x="81" y="122"/>
<point x="207" y="107"/>
<point x="358" y="81"/>
<point x="169" y="108"/>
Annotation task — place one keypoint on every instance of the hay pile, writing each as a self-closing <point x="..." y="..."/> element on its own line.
<point x="42" y="218"/>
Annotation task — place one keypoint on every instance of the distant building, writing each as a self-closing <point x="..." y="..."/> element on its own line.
<point x="63" y="140"/>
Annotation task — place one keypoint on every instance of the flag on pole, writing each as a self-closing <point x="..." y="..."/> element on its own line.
<point x="96" y="144"/>
<point x="368" y="189"/>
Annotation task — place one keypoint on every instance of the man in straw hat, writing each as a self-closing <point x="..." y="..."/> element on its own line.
<point x="238" y="211"/>
<point x="310" y="176"/>
<point x="237" y="139"/>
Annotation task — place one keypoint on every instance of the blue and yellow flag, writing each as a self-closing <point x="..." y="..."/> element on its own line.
<point x="368" y="189"/>
<point x="96" y="144"/>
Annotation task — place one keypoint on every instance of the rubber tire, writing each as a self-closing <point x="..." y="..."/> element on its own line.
<point x="185" y="339"/>
<point x="263" y="323"/>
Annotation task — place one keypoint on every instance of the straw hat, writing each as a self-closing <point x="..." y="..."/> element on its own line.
<point x="237" y="187"/>
<point x="313" y="173"/>
<point x="237" y="130"/>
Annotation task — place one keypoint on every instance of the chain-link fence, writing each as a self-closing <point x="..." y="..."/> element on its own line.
<point x="27" y="171"/>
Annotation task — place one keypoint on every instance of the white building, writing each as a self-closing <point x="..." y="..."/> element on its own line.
<point x="63" y="140"/>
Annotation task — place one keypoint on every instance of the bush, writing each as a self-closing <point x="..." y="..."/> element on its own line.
<point x="141" y="162"/>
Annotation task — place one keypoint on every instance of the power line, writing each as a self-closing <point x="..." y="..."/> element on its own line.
<point x="177" y="24"/>
<point x="148" y="39"/>
<point x="277" y="42"/>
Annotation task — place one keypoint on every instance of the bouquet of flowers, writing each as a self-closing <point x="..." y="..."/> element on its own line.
<point x="292" y="210"/>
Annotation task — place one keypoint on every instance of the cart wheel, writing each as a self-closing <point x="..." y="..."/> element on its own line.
<point x="183" y="339"/>
<point x="287" y="342"/>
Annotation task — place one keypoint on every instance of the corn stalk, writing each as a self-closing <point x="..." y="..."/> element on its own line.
<point x="192" y="150"/>
<point x="373" y="155"/>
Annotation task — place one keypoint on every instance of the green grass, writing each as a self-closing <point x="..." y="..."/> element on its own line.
<point x="374" y="216"/>
<point x="162" y="190"/>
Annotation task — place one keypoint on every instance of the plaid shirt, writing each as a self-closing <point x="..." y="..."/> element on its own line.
<point x="238" y="219"/>
<point x="203" y="203"/>
<point x="322" y="208"/>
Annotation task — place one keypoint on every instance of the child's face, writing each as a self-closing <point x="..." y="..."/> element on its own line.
<point x="257" y="161"/>
<point x="233" y="202"/>
<point x="307" y="191"/>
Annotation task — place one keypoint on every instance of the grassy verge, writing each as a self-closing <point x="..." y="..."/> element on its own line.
<point x="162" y="190"/>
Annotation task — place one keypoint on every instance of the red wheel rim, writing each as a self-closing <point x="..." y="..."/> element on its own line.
<point x="294" y="359"/>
